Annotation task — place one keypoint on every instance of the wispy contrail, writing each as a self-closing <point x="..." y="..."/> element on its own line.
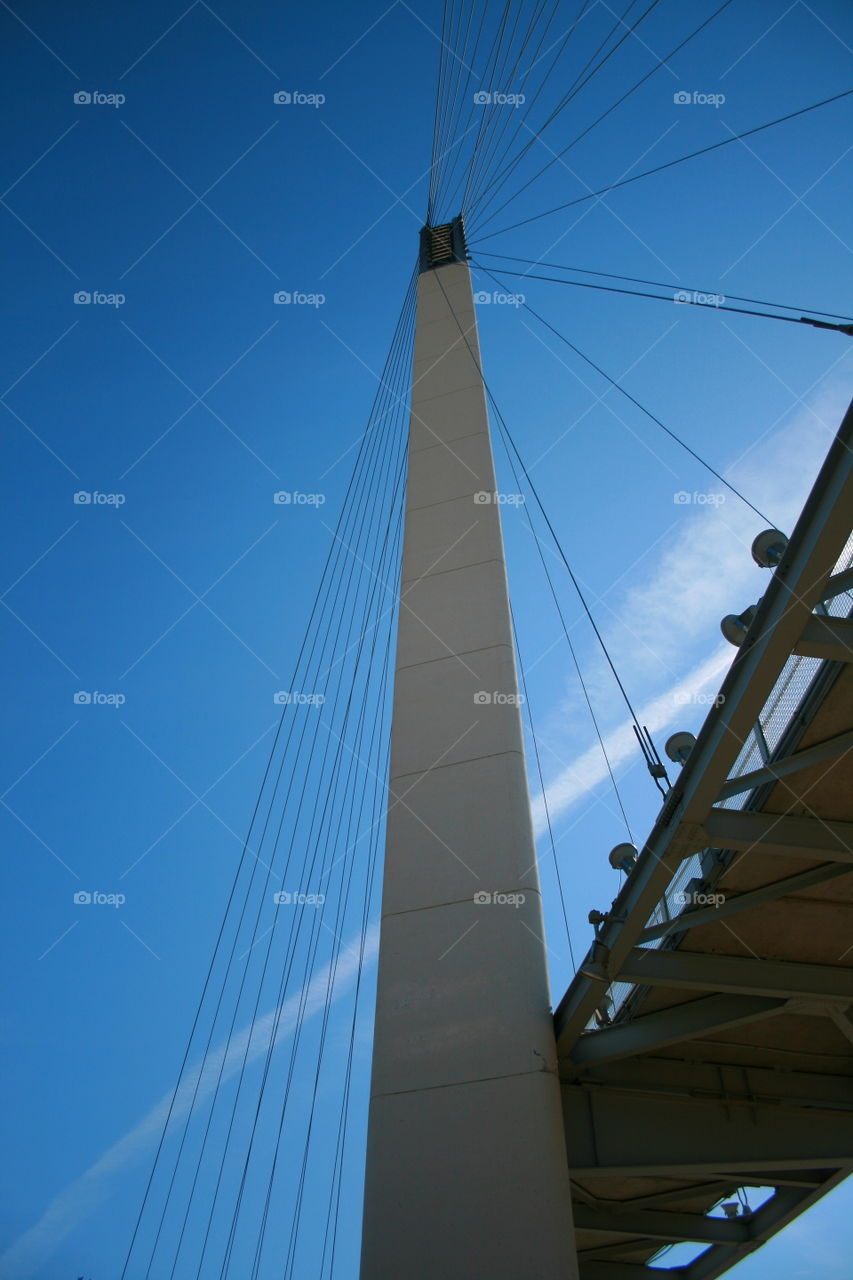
<point x="701" y="573"/>
<point x="23" y="1259"/>
<point x="589" y="769"/>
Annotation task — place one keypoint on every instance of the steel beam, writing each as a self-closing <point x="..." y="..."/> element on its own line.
<point x="668" y="1226"/>
<point x="810" y="1180"/>
<point x="628" y="1271"/>
<point x="671" y="1026"/>
<point x="619" y="1135"/>
<point x="782" y="835"/>
<point x="790" y="764"/>
<point x="828" y="638"/>
<point x="713" y="1191"/>
<point x="739" y="1171"/>
<point x="746" y="901"/>
<point x="843" y="1019"/>
<point x="660" y="1079"/>
<point x="838" y="584"/>
<point x="777" y="979"/>
<point x="616" y="1249"/>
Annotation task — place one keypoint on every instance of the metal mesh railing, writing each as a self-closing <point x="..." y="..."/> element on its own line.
<point x="761" y="744"/>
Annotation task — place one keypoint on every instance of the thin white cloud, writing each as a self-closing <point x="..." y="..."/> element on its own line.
<point x="705" y="569"/>
<point x="669" y="616"/>
<point x="589" y="769"/>
<point x="31" y="1251"/>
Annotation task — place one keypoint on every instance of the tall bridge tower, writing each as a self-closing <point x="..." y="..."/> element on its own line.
<point x="467" y="1174"/>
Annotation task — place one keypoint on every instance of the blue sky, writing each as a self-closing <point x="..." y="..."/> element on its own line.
<point x="191" y="398"/>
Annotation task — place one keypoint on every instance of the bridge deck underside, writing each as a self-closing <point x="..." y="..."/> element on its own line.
<point x="719" y="1064"/>
<point x="666" y="1117"/>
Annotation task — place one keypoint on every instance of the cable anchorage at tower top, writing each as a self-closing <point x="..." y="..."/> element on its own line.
<point x="443" y="244"/>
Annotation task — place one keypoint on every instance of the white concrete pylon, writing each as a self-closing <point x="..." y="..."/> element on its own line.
<point x="467" y="1175"/>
